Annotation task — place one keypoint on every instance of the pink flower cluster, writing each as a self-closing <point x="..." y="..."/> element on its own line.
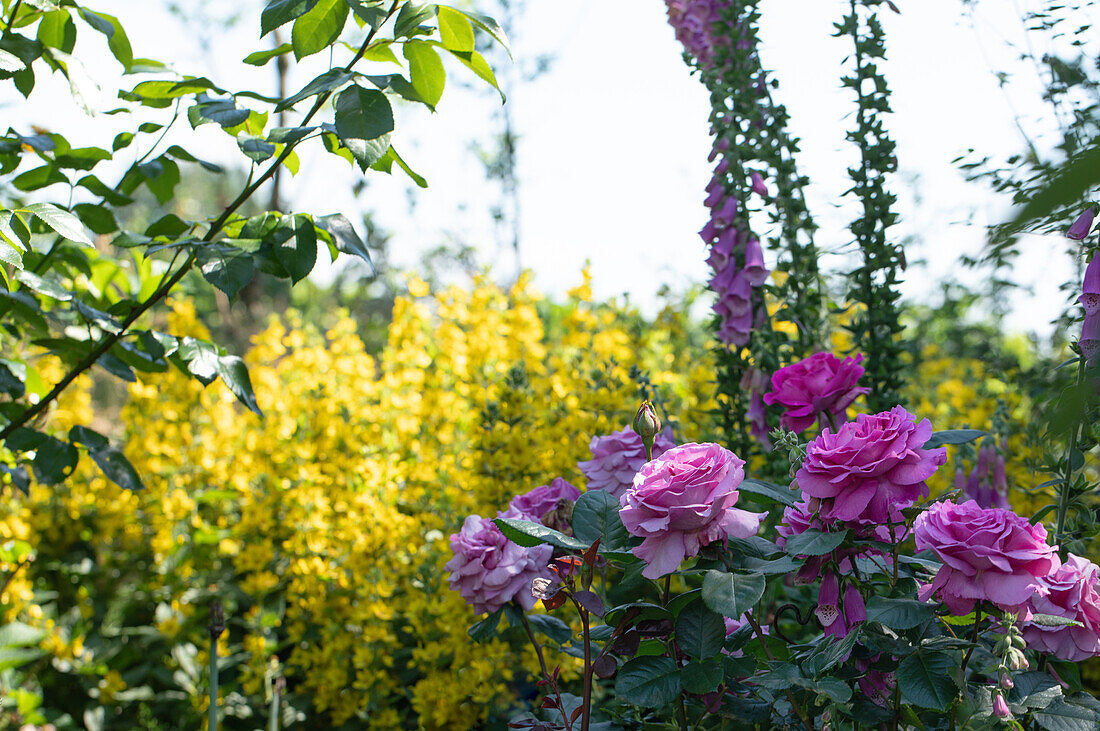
<point x="870" y="468"/>
<point x="988" y="554"/>
<point x="820" y="386"/>
<point x="684" y="500"/>
<point x="617" y="457"/>
<point x="1072" y="592"/>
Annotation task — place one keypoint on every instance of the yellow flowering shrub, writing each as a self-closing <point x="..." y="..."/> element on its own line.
<point x="323" y="526"/>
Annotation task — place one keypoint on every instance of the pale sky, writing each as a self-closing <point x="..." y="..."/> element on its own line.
<point x="614" y="138"/>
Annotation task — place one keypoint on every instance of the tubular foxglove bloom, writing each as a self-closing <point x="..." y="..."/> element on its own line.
<point x="617" y="457"/>
<point x="684" y="500"/>
<point x="871" y="468"/>
<point x="488" y="570"/>
<point x="820" y="385"/>
<point x="1081" y="227"/>
<point x="987" y="483"/>
<point x="758" y="185"/>
<point x="1090" y="301"/>
<point x="988" y="554"/>
<point x="1074" y="593"/>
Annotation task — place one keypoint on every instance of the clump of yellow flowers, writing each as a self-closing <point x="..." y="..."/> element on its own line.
<point x="323" y="526"/>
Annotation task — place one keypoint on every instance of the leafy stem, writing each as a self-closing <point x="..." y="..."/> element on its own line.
<point x="110" y="339"/>
<point x="11" y="18"/>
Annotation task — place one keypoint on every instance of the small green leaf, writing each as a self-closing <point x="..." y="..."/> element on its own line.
<point x="117" y="41"/>
<point x="234" y="373"/>
<point x="117" y="468"/>
<point x="490" y="26"/>
<point x="88" y="437"/>
<point x="54" y="460"/>
<point x="227" y="268"/>
<point x="318" y="28"/>
<point x="779" y="494"/>
<point x="426" y="71"/>
<point x="201" y="359"/>
<point x="731" y="595"/>
<point x="347" y="241"/>
<point x="954" y="436"/>
<point x="63" y="222"/>
<point x="255" y="148"/>
<point x="455" y="30"/>
<point x="298" y="259"/>
<point x="814" y="543"/>
<point x="259" y="58"/>
<point x="48" y="287"/>
<point x="280" y="12"/>
<point x="650" y="682"/>
<point x="331" y="79"/>
<point x="364" y="121"/>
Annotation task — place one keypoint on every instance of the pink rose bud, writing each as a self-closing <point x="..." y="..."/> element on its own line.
<point x="1081" y="227"/>
<point x="646" y="422"/>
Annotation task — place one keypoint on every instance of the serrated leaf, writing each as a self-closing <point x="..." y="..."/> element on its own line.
<point x="700" y="632"/>
<point x="64" y="222"/>
<point x="1062" y="716"/>
<point x="331" y="79"/>
<point x="280" y="12"/>
<point x="255" y="148"/>
<point x="1050" y="620"/>
<point x="650" y="682"/>
<point x="48" y="287"/>
<point x="455" y="31"/>
<point x="364" y="121"/>
<point x="227" y="268"/>
<point x="528" y="534"/>
<point x="702" y="676"/>
<point x="731" y="595"/>
<point x="318" y="28"/>
<point x="925" y="679"/>
<point x="201" y="359"/>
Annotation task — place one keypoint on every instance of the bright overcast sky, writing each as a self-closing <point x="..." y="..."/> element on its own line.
<point x="614" y="138"/>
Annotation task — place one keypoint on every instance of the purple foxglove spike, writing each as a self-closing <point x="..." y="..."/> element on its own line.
<point x="724" y="217"/>
<point x="758" y="185"/>
<point x="727" y="241"/>
<point x="715" y="197"/>
<point x="1091" y="285"/>
<point x="755" y="271"/>
<point x="982" y="468"/>
<point x="855" y="611"/>
<point x="722" y="167"/>
<point x="724" y="280"/>
<point x="1081" y="227"/>
<point x="717" y="260"/>
<point x="1000" y="479"/>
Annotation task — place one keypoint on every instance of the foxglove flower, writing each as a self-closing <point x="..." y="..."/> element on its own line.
<point x="1090" y="300"/>
<point x="1081" y="227"/>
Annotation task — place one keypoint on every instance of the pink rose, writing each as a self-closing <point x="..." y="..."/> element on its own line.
<point x="1073" y="595"/>
<point x="820" y="384"/>
<point x="988" y="554"/>
<point x="617" y="457"/>
<point x="682" y="501"/>
<point x="488" y="570"/>
<point x="871" y="468"/>
<point x="543" y="499"/>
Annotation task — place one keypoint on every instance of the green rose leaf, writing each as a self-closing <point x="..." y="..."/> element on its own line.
<point x="925" y="679"/>
<point x="650" y="682"/>
<point x="731" y="595"/>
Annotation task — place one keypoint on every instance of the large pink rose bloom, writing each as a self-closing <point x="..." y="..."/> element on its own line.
<point x="820" y="384"/>
<point x="544" y="498"/>
<point x="870" y="468"/>
<point x="488" y="570"/>
<point x="988" y="554"/>
<point x="682" y="501"/>
<point x="617" y="457"/>
<point x="1073" y="595"/>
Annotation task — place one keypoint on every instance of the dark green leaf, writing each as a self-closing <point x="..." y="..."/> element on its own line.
<point x="364" y="121"/>
<point x="485" y="628"/>
<point x="899" y="614"/>
<point x="954" y="436"/>
<point x="1062" y="716"/>
<point x="169" y="225"/>
<point x="699" y="631"/>
<point x="347" y="240"/>
<point x="255" y="148"/>
<point x="39" y="177"/>
<point x="98" y="187"/>
<point x="81" y="158"/>
<point x="814" y="543"/>
<point x="97" y="218"/>
<point x="234" y="373"/>
<point x="596" y="515"/>
<point x="782" y="565"/>
<point x="227" y="268"/>
<point x="117" y="468"/>
<point x="833" y="688"/>
<point x="201" y="359"/>
<point x="12" y="375"/>
<point x="54" y="460"/>
<point x="298" y="259"/>
<point x="288" y="134"/>
<point x="280" y="12"/>
<point x="117" y="41"/>
<point x="702" y="676"/>
<point x="331" y="79"/>
<point x="552" y="627"/>
<point x="223" y="113"/>
<point x="1068" y="186"/>
<point x="650" y="682"/>
<point x="318" y="28"/>
<point x="526" y="533"/>
<point x="88" y="437"/>
<point x="925" y="679"/>
<point x="779" y="494"/>
<point x="731" y="595"/>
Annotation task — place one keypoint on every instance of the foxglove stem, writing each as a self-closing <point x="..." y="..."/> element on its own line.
<point x="1067" y="483"/>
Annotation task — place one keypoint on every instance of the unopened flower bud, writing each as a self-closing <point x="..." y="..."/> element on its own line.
<point x="647" y="425"/>
<point x="1017" y="660"/>
<point x="1006" y="681"/>
<point x="1000" y="707"/>
<point x="1081" y="227"/>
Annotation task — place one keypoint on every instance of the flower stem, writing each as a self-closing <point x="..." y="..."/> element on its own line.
<point x="973" y="637"/>
<point x="1067" y="483"/>
<point x="586" y="714"/>
<point x="534" y="642"/>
